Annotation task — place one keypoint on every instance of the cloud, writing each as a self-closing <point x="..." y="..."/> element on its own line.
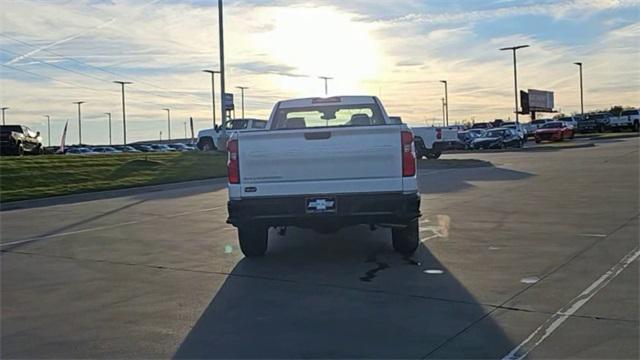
<point x="555" y="9"/>
<point x="260" y="67"/>
<point x="409" y="63"/>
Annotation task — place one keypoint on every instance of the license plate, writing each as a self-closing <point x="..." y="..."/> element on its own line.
<point x="317" y="205"/>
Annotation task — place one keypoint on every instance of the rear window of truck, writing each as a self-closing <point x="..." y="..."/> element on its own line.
<point x="328" y="116"/>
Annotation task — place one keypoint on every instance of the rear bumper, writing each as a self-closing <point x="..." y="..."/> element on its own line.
<point x="352" y="209"/>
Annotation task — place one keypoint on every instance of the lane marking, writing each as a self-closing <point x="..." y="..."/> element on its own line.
<point x="105" y="227"/>
<point x="593" y="235"/>
<point x="553" y="323"/>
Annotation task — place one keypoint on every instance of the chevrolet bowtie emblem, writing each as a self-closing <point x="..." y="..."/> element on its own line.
<point x="321" y="204"/>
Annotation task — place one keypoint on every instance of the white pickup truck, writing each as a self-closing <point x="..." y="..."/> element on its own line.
<point x="432" y="141"/>
<point x="324" y="163"/>
<point x="216" y="138"/>
<point x="628" y="119"/>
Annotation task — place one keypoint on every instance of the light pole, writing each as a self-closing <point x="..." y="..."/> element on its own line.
<point x="446" y="100"/>
<point x="213" y="93"/>
<point x="221" y="41"/>
<point x="326" y="87"/>
<point x="124" y="112"/>
<point x="581" y="97"/>
<point x="109" y="114"/>
<point x="48" y="129"/>
<point x="79" y="122"/>
<point x="168" y="123"/>
<point x="515" y="74"/>
<point x="185" y="130"/>
<point x="242" y="89"/>
<point x="160" y="135"/>
<point x="443" y="116"/>
<point x="3" y="109"/>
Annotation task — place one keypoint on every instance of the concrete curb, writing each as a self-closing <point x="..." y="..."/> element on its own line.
<point x="621" y="136"/>
<point x="105" y="194"/>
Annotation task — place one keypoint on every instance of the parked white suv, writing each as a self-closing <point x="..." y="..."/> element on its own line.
<point x="216" y="138"/>
<point x="324" y="163"/>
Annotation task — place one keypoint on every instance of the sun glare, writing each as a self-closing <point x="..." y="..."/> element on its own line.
<point x="321" y="41"/>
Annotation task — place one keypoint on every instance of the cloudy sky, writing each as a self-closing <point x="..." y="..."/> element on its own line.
<point x="56" y="52"/>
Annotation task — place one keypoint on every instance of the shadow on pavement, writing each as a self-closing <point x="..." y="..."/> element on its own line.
<point x="346" y="295"/>
<point x="457" y="179"/>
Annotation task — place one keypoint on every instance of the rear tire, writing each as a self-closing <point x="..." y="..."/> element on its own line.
<point x="206" y="144"/>
<point x="20" y="150"/>
<point x="433" y="155"/>
<point x="253" y="240"/>
<point x="406" y="240"/>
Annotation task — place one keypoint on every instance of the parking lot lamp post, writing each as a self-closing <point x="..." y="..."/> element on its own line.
<point x="48" y="129"/>
<point x="79" y="103"/>
<point x="124" y="112"/>
<point x="3" y="110"/>
<point x="109" y="114"/>
<point x="168" y="123"/>
<point x="446" y="100"/>
<point x="185" y="130"/>
<point x="221" y="42"/>
<point x="326" y="86"/>
<point x="443" y="113"/>
<point x="515" y="74"/>
<point x="242" y="89"/>
<point x="213" y="93"/>
<point x="581" y="97"/>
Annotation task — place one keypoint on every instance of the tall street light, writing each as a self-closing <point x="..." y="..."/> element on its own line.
<point x="124" y="112"/>
<point x="581" y="97"/>
<point x="326" y="86"/>
<point x="3" y="110"/>
<point x="79" y="122"/>
<point x="109" y="114"/>
<point x="515" y="74"/>
<point x="168" y="123"/>
<point x="48" y="129"/>
<point x="221" y="41"/>
<point x="213" y="93"/>
<point x="443" y="115"/>
<point x="446" y="100"/>
<point x="242" y="89"/>
<point x="185" y="130"/>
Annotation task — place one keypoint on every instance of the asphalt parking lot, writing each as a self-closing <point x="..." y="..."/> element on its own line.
<point x="536" y="253"/>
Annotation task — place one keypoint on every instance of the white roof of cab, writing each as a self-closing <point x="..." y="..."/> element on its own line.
<point x="328" y="101"/>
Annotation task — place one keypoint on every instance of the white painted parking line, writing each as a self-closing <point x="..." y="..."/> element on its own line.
<point x="105" y="227"/>
<point x="594" y="235"/>
<point x="553" y="323"/>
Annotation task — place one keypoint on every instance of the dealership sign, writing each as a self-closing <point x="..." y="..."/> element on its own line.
<point x="540" y="100"/>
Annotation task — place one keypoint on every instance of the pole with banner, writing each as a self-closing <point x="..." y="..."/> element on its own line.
<point x="64" y="137"/>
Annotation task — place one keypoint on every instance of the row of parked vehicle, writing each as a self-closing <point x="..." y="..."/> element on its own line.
<point x="118" y="149"/>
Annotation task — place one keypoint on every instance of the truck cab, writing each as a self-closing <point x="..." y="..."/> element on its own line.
<point x="216" y="138"/>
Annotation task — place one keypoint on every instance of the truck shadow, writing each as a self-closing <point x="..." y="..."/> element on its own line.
<point x="346" y="295"/>
<point x="451" y="179"/>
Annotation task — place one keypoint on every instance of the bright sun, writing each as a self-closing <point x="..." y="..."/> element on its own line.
<point x="321" y="41"/>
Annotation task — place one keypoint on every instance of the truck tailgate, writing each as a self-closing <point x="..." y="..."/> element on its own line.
<point x="321" y="161"/>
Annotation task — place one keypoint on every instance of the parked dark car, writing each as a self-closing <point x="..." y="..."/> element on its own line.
<point x="18" y="140"/>
<point x="126" y="148"/>
<point x="481" y="126"/>
<point x="499" y="138"/>
<point x="593" y="122"/>
<point x="180" y="147"/>
<point x="143" y="148"/>
<point x="467" y="137"/>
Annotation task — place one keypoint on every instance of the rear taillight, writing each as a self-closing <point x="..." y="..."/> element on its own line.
<point x="233" y="162"/>
<point x="408" y="155"/>
<point x="438" y="133"/>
